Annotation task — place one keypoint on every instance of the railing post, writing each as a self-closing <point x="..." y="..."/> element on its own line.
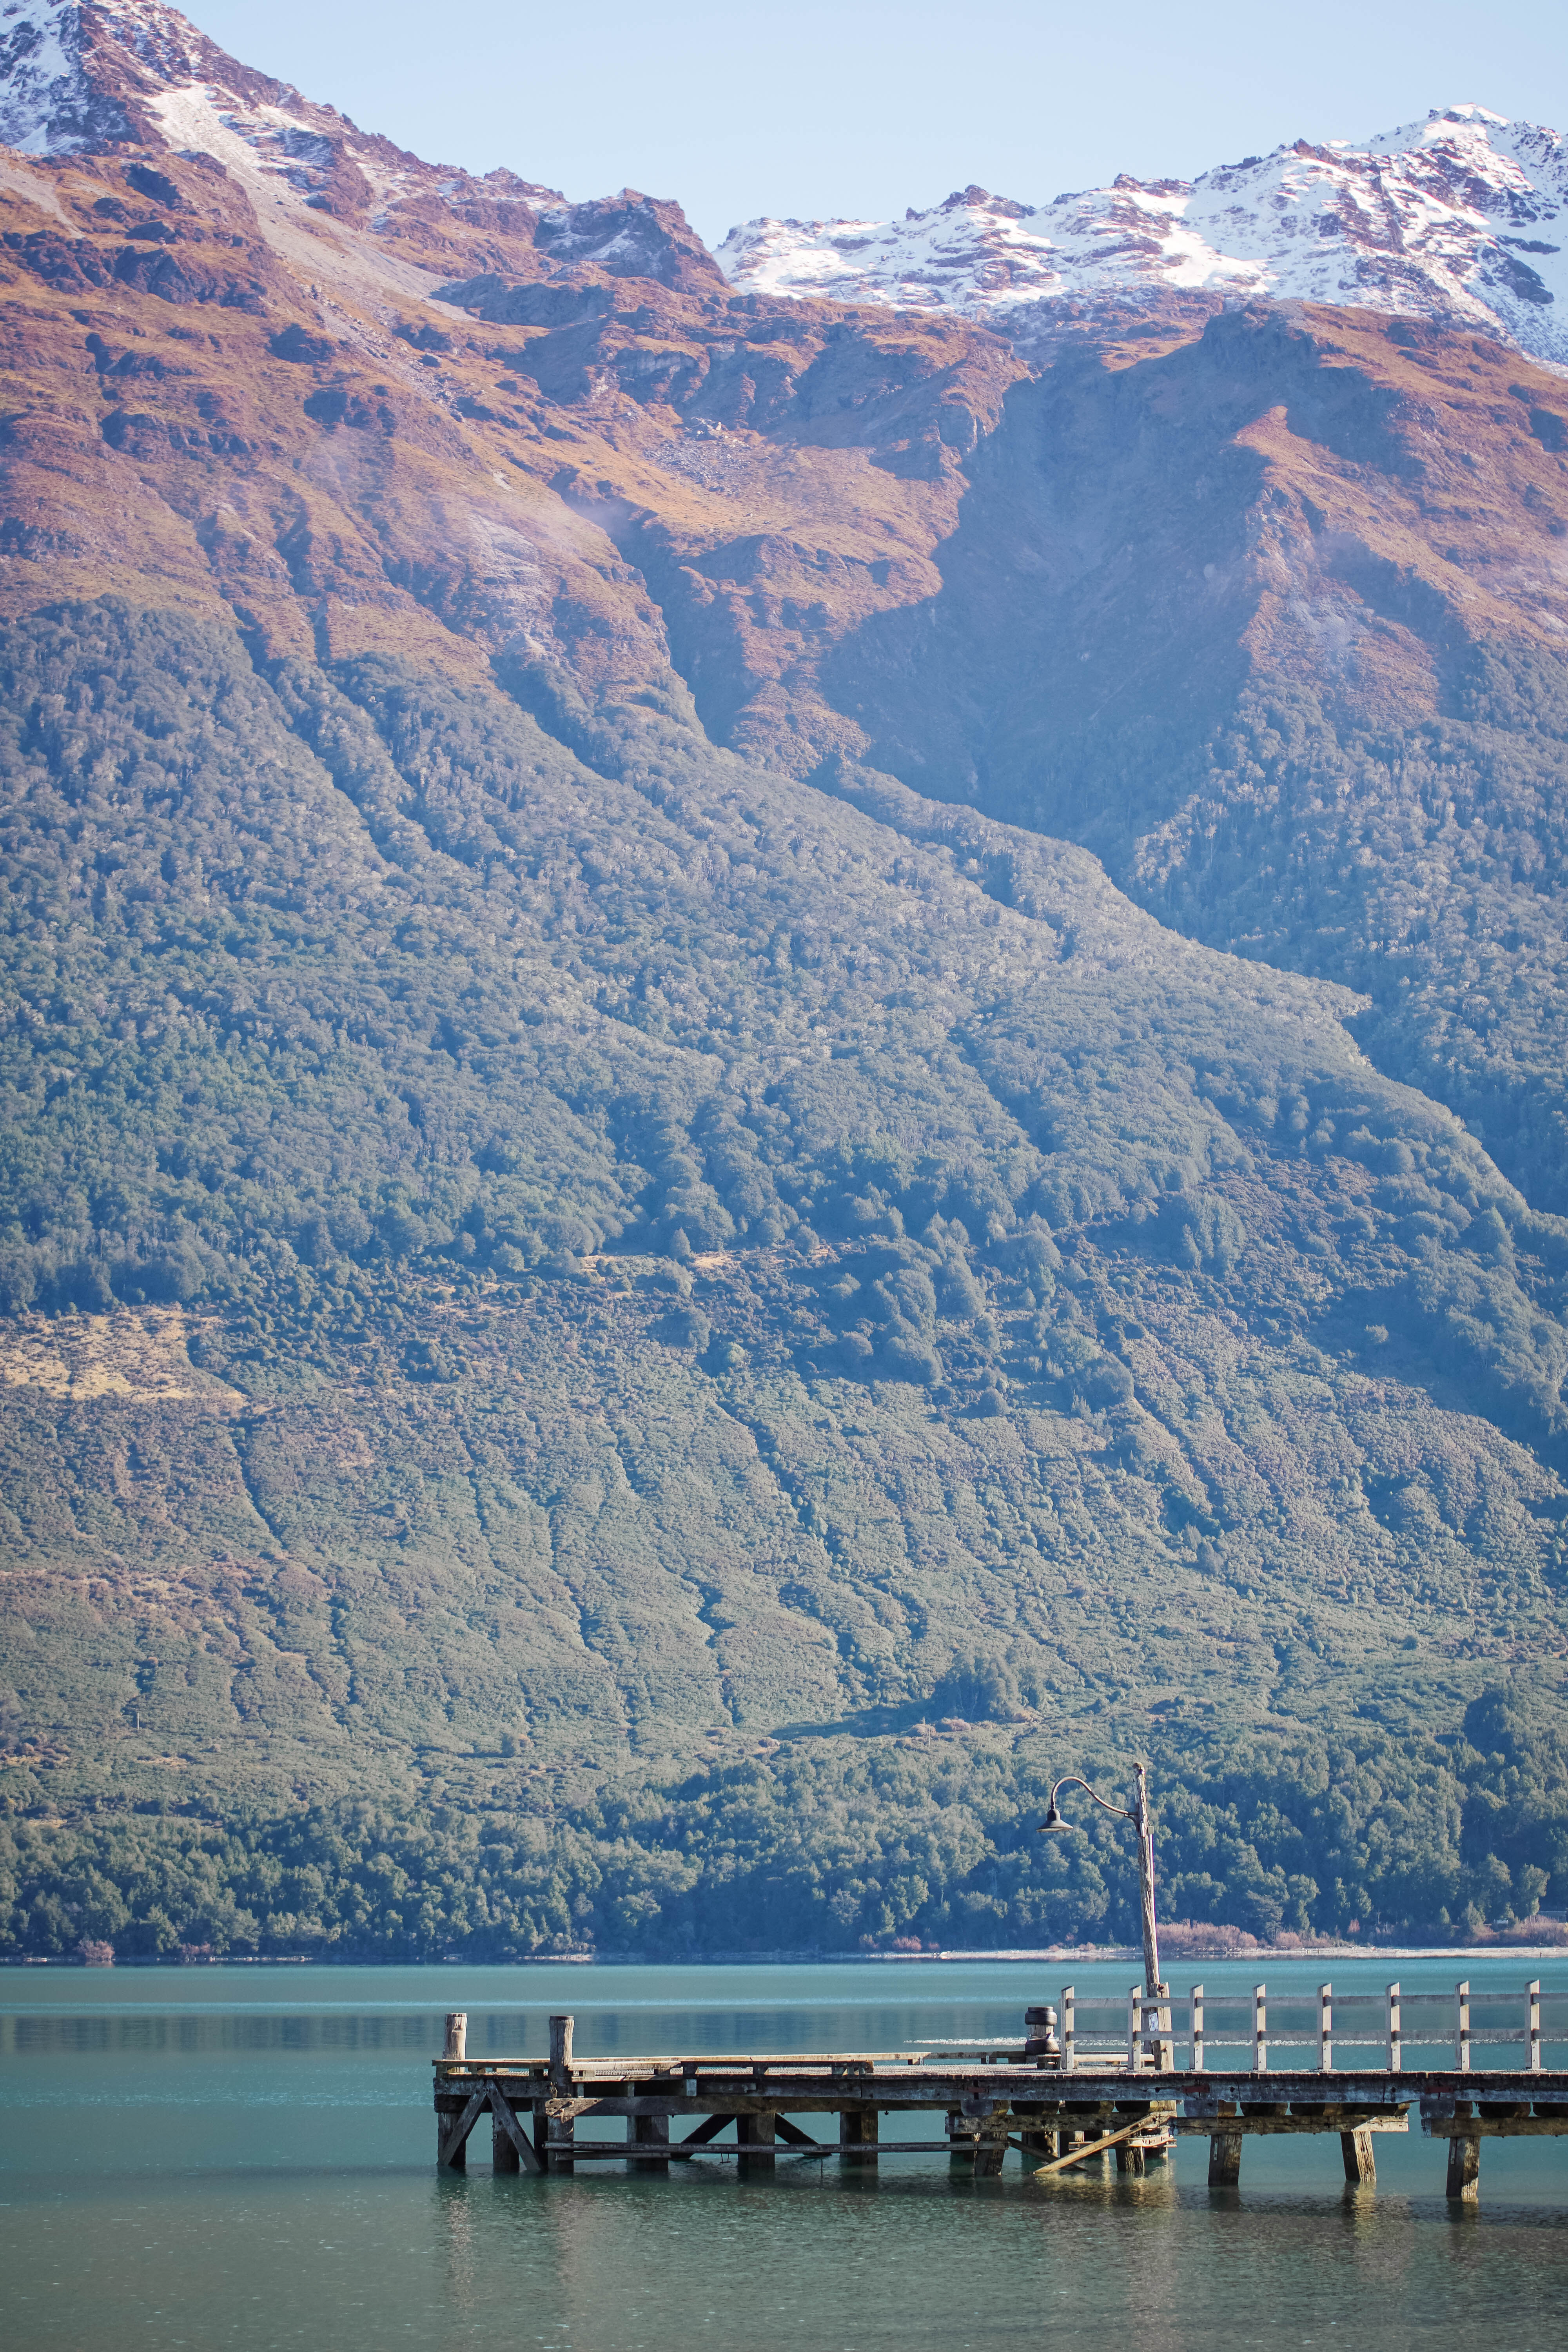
<point x="456" y="2033"/>
<point x="1325" y="2029"/>
<point x="1396" y="2038"/>
<point x="1462" y="2027"/>
<point x="1533" y="2055"/>
<point x="1067" y="2051"/>
<point x="1260" y="2029"/>
<point x="1197" y="2029"/>
<point x="1164" y="2029"/>
<point x="1134" y="2022"/>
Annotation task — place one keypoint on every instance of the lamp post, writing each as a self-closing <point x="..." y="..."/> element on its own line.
<point x="1142" y="1822"/>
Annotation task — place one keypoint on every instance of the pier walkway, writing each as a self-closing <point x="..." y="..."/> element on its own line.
<point x="1059" y="2098"/>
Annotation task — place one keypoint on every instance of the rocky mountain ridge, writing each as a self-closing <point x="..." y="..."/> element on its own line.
<point x="1461" y="217"/>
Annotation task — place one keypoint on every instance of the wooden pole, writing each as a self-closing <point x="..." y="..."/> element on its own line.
<point x="1068" y="2052"/>
<point x="1260" y="2029"/>
<point x="649" y="2134"/>
<point x="1197" y="1997"/>
<point x="1325" y="2029"/>
<point x="1533" y="2028"/>
<point x="561" y="2032"/>
<point x="1361" y="2163"/>
<point x="457" y="2044"/>
<point x="1395" y="2037"/>
<point x="858" y="2130"/>
<point x="1145" y="1826"/>
<point x="1224" y="2160"/>
<point x="1462" y="2027"/>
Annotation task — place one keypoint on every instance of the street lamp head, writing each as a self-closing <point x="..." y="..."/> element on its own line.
<point x="1053" y="1820"/>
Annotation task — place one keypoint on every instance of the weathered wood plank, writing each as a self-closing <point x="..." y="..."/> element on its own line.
<point x="1360" y="2157"/>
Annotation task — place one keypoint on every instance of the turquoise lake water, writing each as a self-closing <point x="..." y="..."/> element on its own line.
<point x="243" y="2157"/>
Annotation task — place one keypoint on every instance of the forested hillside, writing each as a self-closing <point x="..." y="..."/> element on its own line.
<point x="635" y="1292"/>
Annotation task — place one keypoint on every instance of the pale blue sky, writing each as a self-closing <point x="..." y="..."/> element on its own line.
<point x="865" y="106"/>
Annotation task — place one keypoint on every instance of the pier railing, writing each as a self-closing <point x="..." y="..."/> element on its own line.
<point x="1195" y="2028"/>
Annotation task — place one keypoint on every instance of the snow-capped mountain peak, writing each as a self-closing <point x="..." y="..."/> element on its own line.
<point x="1462" y="215"/>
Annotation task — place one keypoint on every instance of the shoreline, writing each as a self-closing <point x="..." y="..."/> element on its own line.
<point x="1085" y="1956"/>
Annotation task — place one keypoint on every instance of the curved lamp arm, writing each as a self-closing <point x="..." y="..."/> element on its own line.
<point x="1053" y="1820"/>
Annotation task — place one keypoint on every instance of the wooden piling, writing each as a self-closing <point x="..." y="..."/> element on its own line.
<point x="1464" y="2168"/>
<point x="1462" y="2027"/>
<point x="1396" y="2032"/>
<point x="755" y="2136"/>
<point x="1224" y="2160"/>
<point x="457" y="2034"/>
<point x="857" y="2133"/>
<point x="1260" y="2029"/>
<point x="649" y="2134"/>
<point x="1361" y="2163"/>
<point x="1325" y="2029"/>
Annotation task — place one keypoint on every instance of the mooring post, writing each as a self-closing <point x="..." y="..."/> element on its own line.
<point x="1533" y="2028"/>
<point x="561" y="2032"/>
<point x="457" y="2044"/>
<point x="1462" y="2027"/>
<point x="1260" y="2029"/>
<point x="1198" y="1998"/>
<point x="1325" y="2029"/>
<point x="1395" y="2038"/>
<point x="1360" y="2164"/>
<point x="858" y="2128"/>
<point x="1464" y="2163"/>
<point x="1068" y="2052"/>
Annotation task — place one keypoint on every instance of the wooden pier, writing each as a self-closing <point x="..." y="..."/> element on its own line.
<point x="1056" y="2103"/>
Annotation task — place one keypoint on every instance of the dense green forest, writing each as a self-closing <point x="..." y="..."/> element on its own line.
<point x="713" y="1333"/>
<point x="1356" y="1835"/>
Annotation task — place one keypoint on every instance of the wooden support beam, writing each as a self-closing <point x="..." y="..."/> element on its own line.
<point x="1464" y="2168"/>
<point x="511" y="2148"/>
<point x="1129" y="2159"/>
<point x="1360" y="2157"/>
<point x="709" y="2128"/>
<point x="859" y="2129"/>
<point x="452" y="2133"/>
<point x="1092" y="2148"/>
<point x="1224" y="2160"/>
<point x="792" y="2135"/>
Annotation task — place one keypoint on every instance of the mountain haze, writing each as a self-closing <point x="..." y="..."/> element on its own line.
<point x="767" y="1059"/>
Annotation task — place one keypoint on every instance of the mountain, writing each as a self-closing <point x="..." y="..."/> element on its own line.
<point x="763" y="1061"/>
<point x="1459" y="218"/>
